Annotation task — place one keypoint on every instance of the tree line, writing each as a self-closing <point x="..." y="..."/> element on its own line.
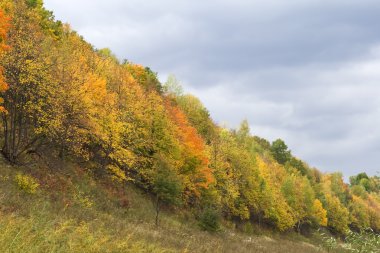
<point x="59" y="93"/>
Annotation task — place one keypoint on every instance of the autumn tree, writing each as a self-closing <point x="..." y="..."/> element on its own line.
<point x="50" y="26"/>
<point x="359" y="213"/>
<point x="145" y="77"/>
<point x="273" y="203"/>
<point x="337" y="214"/>
<point x="195" y="168"/>
<point x="4" y="26"/>
<point x="25" y="67"/>
<point x="319" y="214"/>
<point x="338" y="187"/>
<point x="61" y="95"/>
<point x="298" y="165"/>
<point x="300" y="197"/>
<point x="198" y="116"/>
<point x="195" y="111"/>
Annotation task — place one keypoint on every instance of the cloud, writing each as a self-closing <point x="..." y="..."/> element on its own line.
<point x="303" y="71"/>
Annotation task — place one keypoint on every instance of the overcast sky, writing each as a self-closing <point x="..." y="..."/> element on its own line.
<point x="304" y="71"/>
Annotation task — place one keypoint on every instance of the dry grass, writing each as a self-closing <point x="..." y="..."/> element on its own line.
<point x="72" y="212"/>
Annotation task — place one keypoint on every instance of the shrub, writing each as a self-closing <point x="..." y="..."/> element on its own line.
<point x="83" y="199"/>
<point x="209" y="220"/>
<point x="364" y="242"/>
<point x="26" y="183"/>
<point x="328" y="242"/>
<point x="248" y="228"/>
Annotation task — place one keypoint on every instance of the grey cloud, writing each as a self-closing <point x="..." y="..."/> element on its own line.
<point x="304" y="71"/>
<point x="214" y="34"/>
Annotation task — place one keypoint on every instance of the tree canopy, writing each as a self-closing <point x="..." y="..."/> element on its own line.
<point x="60" y="95"/>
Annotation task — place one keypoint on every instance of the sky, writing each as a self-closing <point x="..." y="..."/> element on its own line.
<point x="307" y="72"/>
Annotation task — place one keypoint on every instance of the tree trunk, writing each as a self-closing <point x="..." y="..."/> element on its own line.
<point x="157" y="209"/>
<point x="299" y="227"/>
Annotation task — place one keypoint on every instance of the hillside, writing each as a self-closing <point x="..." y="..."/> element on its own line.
<point x="73" y="212"/>
<point x="100" y="156"/>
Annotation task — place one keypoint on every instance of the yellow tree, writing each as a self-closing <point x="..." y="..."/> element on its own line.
<point x="334" y="195"/>
<point x="319" y="214"/>
<point x="225" y="176"/>
<point x="373" y="203"/>
<point x="300" y="196"/>
<point x="337" y="214"/>
<point x="145" y="77"/>
<point x="68" y="116"/>
<point x="236" y="175"/>
<point x="273" y="203"/>
<point x="25" y="67"/>
<point x="359" y="213"/>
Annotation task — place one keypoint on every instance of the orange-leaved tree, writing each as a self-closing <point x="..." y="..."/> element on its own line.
<point x="195" y="169"/>
<point x="25" y="70"/>
<point x="4" y="25"/>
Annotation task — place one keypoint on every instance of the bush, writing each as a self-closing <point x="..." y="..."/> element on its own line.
<point x="26" y="183"/>
<point x="83" y="199"/>
<point x="248" y="228"/>
<point x="209" y="220"/>
<point x="329" y="243"/>
<point x="364" y="242"/>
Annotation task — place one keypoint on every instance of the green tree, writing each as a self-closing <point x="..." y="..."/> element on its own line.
<point x="243" y="134"/>
<point x="355" y="180"/>
<point x="298" y="165"/>
<point x="166" y="186"/>
<point x="173" y="87"/>
<point x="280" y="151"/>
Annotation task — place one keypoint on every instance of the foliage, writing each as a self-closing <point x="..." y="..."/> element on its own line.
<point x="166" y="184"/>
<point x="26" y="183"/>
<point x="167" y="187"/>
<point x="369" y="184"/>
<point x="280" y="151"/>
<point x="365" y="241"/>
<point x="63" y="98"/>
<point x="25" y="72"/>
<point x="83" y="199"/>
<point x="52" y="221"/>
<point x="329" y="242"/>
<point x="337" y="214"/>
<point x="4" y="26"/>
<point x="319" y="213"/>
<point x="173" y="87"/>
<point x="209" y="220"/>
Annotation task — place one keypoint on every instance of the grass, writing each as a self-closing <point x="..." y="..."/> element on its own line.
<point x="70" y="211"/>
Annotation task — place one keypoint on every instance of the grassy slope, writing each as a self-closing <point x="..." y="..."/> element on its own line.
<point x="72" y="212"/>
